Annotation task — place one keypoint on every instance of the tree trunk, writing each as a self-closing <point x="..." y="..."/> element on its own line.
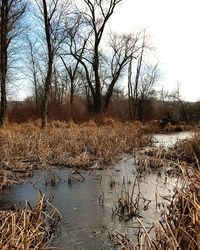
<point x="137" y="77"/>
<point x="46" y="95"/>
<point x="72" y="100"/>
<point x="44" y="111"/>
<point x="97" y="104"/>
<point x="130" y="91"/>
<point x="36" y="91"/>
<point x="110" y="92"/>
<point x="97" y="98"/>
<point x="48" y="79"/>
<point x="3" y="62"/>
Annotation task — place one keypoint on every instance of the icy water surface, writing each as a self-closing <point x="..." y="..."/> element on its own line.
<point x="86" y="222"/>
<point x="170" y="138"/>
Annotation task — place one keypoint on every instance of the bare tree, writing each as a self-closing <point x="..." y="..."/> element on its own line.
<point x="98" y="24"/>
<point x="130" y="89"/>
<point x="11" y="13"/>
<point x="33" y="67"/>
<point x="52" y="14"/>
<point x="74" y="74"/>
<point x="179" y="103"/>
<point x="86" y="47"/>
<point x="124" y="49"/>
<point x="149" y="77"/>
<point x="59" y="86"/>
<point x="134" y="85"/>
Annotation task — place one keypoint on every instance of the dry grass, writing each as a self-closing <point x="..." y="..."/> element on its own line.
<point x="130" y="202"/>
<point x="27" y="146"/>
<point x="6" y="181"/>
<point x="30" y="228"/>
<point x="179" y="227"/>
<point x="186" y="151"/>
<point x="121" y="241"/>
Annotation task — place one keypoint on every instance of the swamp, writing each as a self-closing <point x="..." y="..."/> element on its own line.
<point x="99" y="125"/>
<point x="121" y="192"/>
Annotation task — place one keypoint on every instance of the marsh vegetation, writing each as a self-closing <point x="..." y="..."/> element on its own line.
<point x="138" y="202"/>
<point x="85" y="135"/>
<point x="30" y="227"/>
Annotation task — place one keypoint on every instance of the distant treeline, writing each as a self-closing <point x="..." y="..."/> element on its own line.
<point x="153" y="109"/>
<point x="75" y="68"/>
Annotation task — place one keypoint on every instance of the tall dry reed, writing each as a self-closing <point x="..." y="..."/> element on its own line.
<point x="28" y="228"/>
<point x="68" y="144"/>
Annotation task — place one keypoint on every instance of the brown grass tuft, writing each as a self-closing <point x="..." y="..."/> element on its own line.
<point x="180" y="228"/>
<point x="29" y="228"/>
<point x="68" y="144"/>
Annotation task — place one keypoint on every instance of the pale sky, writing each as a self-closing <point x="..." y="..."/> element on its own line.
<point x="174" y="26"/>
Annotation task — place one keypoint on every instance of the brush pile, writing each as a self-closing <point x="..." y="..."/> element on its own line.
<point x="29" y="228"/>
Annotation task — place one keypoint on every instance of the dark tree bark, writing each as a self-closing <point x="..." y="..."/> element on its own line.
<point x="3" y="62"/>
<point x="11" y="12"/>
<point x="53" y="14"/>
<point x="136" y="105"/>
<point x="130" y="91"/>
<point x="47" y="84"/>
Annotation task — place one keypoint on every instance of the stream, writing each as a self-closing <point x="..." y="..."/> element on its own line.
<point x="86" y="206"/>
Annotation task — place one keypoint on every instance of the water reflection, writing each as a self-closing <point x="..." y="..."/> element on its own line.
<point x="85" y="223"/>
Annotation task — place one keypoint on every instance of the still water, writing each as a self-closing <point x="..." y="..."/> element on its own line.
<point x="85" y="222"/>
<point x="170" y="139"/>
